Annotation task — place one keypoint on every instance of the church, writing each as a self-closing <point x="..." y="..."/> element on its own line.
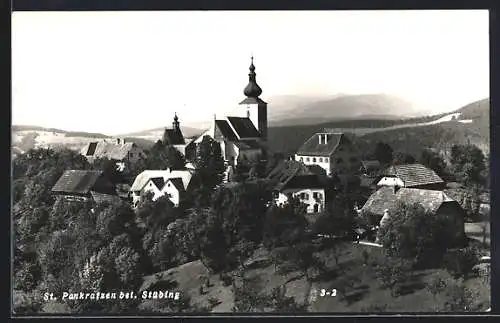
<point x="243" y="135"/>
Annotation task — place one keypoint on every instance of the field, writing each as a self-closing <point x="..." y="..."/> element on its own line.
<point x="363" y="290"/>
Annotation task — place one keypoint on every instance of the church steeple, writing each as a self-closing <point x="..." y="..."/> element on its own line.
<point x="252" y="90"/>
<point x="175" y="124"/>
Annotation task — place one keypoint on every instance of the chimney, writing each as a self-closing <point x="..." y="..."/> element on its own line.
<point x="326" y="138"/>
<point x="118" y="140"/>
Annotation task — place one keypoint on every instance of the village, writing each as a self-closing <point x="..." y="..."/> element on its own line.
<point x="218" y="181"/>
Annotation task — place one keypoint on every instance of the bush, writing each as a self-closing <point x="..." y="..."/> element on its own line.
<point x="227" y="280"/>
<point x="461" y="262"/>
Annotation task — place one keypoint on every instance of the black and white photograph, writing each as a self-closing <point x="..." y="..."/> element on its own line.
<point x="250" y="162"/>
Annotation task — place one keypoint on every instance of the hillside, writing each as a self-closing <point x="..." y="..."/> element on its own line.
<point x="157" y="133"/>
<point x="341" y="107"/>
<point x="24" y="138"/>
<point x="470" y="122"/>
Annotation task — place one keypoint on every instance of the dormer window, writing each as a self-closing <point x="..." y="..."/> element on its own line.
<point x="314" y="159"/>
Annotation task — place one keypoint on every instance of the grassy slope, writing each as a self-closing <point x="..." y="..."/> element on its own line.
<point x="366" y="292"/>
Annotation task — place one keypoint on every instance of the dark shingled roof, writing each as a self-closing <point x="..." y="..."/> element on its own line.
<point x="385" y="198"/>
<point x="223" y="129"/>
<point x="285" y="171"/>
<point x="244" y="127"/>
<point x="105" y="198"/>
<point x="177" y="182"/>
<point x="413" y="174"/>
<point x="173" y="137"/>
<point x="312" y="147"/>
<point x="77" y="181"/>
<point x="109" y="150"/>
<point x="158" y="181"/>
<point x="304" y="181"/>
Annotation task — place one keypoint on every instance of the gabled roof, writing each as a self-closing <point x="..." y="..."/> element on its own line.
<point x="385" y="198"/>
<point x="173" y="137"/>
<point x="413" y="174"/>
<point x="104" y="149"/>
<point x="313" y="147"/>
<point x="223" y="130"/>
<point x="142" y="179"/>
<point x="244" y="127"/>
<point x="285" y="171"/>
<point x="177" y="182"/>
<point x="102" y="198"/>
<point x="304" y="181"/>
<point x="158" y="181"/>
<point x="77" y="181"/>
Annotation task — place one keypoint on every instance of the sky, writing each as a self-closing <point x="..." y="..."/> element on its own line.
<point x="119" y="72"/>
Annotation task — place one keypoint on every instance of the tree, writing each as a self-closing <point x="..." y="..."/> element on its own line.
<point x="109" y="169"/>
<point x="434" y="161"/>
<point x="412" y="233"/>
<point x="338" y="217"/>
<point x="383" y="153"/>
<point x="175" y="159"/>
<point x="209" y="167"/>
<point x="400" y="158"/>
<point x="392" y="272"/>
<point x="283" y="226"/>
<point x="468" y="163"/>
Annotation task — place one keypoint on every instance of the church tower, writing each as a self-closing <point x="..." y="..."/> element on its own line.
<point x="256" y="108"/>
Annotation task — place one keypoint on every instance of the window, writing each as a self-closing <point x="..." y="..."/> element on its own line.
<point x="326" y="160"/>
<point x="275" y="194"/>
<point x="306" y="196"/>
<point x="307" y="159"/>
<point x="314" y="159"/>
<point x="320" y="159"/>
<point x="315" y="195"/>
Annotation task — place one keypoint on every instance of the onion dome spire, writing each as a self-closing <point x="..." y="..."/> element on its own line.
<point x="252" y="90"/>
<point x="176" y="121"/>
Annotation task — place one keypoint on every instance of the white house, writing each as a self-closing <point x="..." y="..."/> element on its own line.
<point x="411" y="176"/>
<point x="333" y="152"/>
<point x="242" y="136"/>
<point x="172" y="183"/>
<point x="295" y="179"/>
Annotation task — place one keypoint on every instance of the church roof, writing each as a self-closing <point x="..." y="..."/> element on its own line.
<point x="247" y="144"/>
<point x="244" y="127"/>
<point x="223" y="129"/>
<point x="173" y="137"/>
<point x="252" y="90"/>
<point x="313" y="147"/>
<point x="250" y="100"/>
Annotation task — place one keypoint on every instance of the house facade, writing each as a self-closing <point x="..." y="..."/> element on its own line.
<point x="333" y="152"/>
<point x="292" y="178"/>
<point x="411" y="176"/>
<point x="85" y="185"/>
<point x="117" y="149"/>
<point x="170" y="183"/>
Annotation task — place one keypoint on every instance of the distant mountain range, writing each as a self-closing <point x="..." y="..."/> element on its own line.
<point x="289" y="111"/>
<point x="292" y="119"/>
